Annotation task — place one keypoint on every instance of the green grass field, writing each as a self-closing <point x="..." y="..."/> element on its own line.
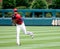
<point x="45" y="37"/>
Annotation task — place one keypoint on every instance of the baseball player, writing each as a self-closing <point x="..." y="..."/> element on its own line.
<point x="17" y="19"/>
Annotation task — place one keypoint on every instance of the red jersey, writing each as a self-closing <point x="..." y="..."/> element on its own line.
<point x="17" y="18"/>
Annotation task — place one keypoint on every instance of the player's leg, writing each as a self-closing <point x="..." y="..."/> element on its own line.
<point x="26" y="32"/>
<point x="17" y="34"/>
<point x="31" y="34"/>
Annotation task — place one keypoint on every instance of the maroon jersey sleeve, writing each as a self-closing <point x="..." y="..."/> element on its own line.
<point x="13" y="17"/>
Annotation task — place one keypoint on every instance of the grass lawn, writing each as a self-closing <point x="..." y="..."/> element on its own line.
<point x="45" y="37"/>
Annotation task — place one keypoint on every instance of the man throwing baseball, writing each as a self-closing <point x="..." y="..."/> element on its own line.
<point x="17" y="19"/>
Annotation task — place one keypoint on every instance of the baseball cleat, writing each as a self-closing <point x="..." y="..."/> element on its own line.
<point x="32" y="36"/>
<point x="19" y="44"/>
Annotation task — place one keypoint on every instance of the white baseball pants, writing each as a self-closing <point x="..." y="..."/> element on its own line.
<point x="18" y="29"/>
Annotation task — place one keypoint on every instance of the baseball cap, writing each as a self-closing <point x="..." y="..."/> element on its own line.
<point x="15" y="9"/>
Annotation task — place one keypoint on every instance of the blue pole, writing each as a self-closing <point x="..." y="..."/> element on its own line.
<point x="33" y="14"/>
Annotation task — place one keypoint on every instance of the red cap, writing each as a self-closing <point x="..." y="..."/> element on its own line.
<point x="15" y="9"/>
